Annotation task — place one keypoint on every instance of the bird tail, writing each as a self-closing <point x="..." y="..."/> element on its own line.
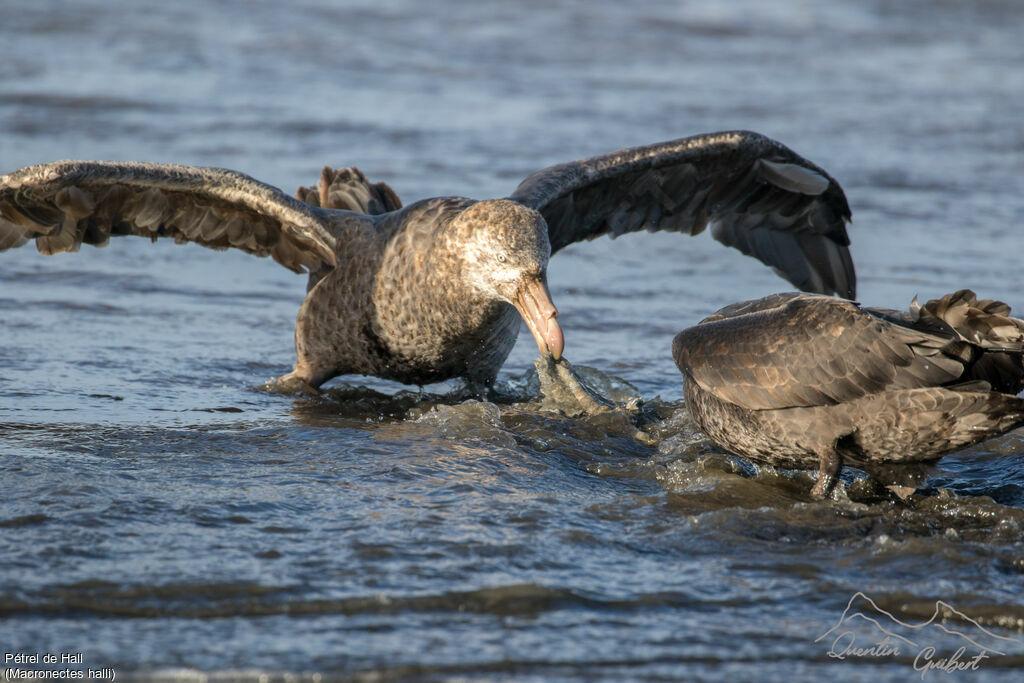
<point x="349" y="190"/>
<point x="984" y="324"/>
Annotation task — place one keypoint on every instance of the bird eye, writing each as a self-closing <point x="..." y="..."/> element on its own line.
<point x="502" y="258"/>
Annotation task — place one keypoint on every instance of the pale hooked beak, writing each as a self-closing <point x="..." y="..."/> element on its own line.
<point x="533" y="301"/>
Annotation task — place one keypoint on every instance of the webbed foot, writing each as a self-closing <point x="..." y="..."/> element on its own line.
<point x="290" y="384"/>
<point x="901" y="479"/>
<point x="902" y="492"/>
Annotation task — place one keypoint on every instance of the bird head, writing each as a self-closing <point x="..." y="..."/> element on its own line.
<point x="505" y="257"/>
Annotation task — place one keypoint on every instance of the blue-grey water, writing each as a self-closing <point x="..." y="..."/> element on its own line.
<point x="165" y="519"/>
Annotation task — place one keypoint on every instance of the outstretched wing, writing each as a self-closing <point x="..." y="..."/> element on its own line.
<point x="65" y="203"/>
<point x="808" y="350"/>
<point x="759" y="196"/>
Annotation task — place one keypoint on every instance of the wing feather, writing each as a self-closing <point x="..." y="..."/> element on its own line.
<point x="760" y="197"/>
<point x="65" y="203"/>
<point x="807" y="350"/>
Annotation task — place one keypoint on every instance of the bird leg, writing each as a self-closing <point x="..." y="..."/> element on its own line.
<point x="473" y="389"/>
<point x="829" y="465"/>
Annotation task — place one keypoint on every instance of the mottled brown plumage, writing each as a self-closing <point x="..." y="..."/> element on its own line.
<point x="430" y="291"/>
<point x="807" y="381"/>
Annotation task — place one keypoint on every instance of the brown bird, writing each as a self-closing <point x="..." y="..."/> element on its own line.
<point x="431" y="291"/>
<point x="806" y="381"/>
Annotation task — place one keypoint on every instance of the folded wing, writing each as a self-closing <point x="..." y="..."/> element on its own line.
<point x="808" y="350"/>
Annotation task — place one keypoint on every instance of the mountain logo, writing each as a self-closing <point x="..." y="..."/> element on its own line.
<point x="891" y="637"/>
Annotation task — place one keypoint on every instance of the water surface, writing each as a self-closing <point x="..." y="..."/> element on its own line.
<point x="163" y="518"/>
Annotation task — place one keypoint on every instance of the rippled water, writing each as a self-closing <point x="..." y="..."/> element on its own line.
<point x="163" y="518"/>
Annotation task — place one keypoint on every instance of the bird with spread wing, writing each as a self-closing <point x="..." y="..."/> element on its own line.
<point x="436" y="289"/>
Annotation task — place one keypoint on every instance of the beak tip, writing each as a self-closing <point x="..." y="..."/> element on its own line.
<point x="556" y="341"/>
<point x="541" y="316"/>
